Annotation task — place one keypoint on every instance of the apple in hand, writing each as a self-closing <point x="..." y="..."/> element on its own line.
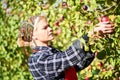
<point x="104" y="19"/>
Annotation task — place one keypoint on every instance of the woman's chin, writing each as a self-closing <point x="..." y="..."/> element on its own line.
<point x="50" y="38"/>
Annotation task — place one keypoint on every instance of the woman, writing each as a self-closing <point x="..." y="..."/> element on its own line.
<point x="48" y="63"/>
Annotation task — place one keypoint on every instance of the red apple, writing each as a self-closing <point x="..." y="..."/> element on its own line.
<point x="64" y="4"/>
<point x="87" y="78"/>
<point x="57" y="23"/>
<point x="104" y="69"/>
<point x="85" y="7"/>
<point x="100" y="64"/>
<point x="58" y="31"/>
<point x="104" y="19"/>
<point x="62" y="18"/>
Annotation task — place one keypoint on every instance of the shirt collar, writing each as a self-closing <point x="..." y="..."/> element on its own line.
<point x="41" y="48"/>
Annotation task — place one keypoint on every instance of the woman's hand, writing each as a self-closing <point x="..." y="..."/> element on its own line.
<point x="101" y="29"/>
<point x="104" y="28"/>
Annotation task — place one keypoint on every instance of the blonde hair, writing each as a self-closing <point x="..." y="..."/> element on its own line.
<point x="26" y="31"/>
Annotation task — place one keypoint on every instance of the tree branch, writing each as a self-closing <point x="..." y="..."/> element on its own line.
<point x="107" y="8"/>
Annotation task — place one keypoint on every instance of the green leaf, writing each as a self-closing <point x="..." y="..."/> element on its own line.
<point x="95" y="72"/>
<point x="101" y="55"/>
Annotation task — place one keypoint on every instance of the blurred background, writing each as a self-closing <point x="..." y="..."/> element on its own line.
<point x="69" y="19"/>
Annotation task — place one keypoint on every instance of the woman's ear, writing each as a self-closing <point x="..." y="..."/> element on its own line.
<point x="34" y="37"/>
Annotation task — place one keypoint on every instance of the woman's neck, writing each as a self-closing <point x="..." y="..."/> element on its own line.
<point x="40" y="43"/>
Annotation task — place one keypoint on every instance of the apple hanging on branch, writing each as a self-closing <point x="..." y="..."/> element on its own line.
<point x="64" y="4"/>
<point x="58" y="31"/>
<point x="57" y="23"/>
<point x="85" y="7"/>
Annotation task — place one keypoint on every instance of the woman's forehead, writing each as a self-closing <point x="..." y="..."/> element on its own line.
<point x="43" y="23"/>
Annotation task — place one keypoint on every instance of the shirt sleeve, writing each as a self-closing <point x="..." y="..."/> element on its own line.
<point x="87" y="60"/>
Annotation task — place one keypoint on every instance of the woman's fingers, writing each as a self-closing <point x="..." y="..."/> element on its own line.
<point x="109" y="25"/>
<point x="108" y="31"/>
<point x="105" y="24"/>
<point x="104" y="28"/>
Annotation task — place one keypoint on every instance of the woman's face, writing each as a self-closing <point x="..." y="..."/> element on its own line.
<point x="43" y="31"/>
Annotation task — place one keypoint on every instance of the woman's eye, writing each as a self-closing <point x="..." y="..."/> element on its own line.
<point x="45" y="27"/>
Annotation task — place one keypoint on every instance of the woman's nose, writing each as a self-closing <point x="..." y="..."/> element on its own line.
<point x="50" y="28"/>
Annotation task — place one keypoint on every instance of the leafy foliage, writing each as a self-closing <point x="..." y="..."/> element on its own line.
<point x="70" y="19"/>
